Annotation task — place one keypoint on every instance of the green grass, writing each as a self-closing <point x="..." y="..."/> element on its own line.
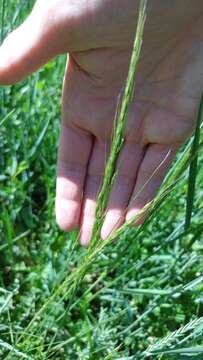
<point x="138" y="297"/>
<point x="193" y="167"/>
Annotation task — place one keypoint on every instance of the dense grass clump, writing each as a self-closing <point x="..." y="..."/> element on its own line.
<point x="139" y="297"/>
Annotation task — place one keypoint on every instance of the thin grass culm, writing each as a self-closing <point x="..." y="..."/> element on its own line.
<point x="66" y="290"/>
<point x="193" y="167"/>
<point x="118" y="137"/>
<point x="138" y="293"/>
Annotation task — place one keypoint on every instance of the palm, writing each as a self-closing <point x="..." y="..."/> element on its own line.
<point x="161" y="116"/>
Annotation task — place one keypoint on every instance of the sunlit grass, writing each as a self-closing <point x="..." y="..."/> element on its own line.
<point x="135" y="294"/>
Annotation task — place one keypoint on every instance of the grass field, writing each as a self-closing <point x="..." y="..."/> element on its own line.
<point x="141" y="297"/>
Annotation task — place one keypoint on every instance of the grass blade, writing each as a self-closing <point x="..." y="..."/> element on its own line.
<point x="36" y="147"/>
<point x="118" y="137"/>
<point x="193" y="168"/>
<point x="7" y="117"/>
<point x="18" y="353"/>
<point x="3" y="6"/>
<point x="193" y="350"/>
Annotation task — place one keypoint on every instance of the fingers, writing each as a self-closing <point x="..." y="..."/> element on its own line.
<point x="74" y="152"/>
<point x="149" y="167"/>
<point x="152" y="171"/>
<point x="93" y="183"/>
<point x="128" y="164"/>
<point x="73" y="208"/>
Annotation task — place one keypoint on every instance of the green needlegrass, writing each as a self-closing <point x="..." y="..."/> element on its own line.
<point x="136" y="296"/>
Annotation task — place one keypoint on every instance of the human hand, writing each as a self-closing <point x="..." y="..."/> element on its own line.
<point x="98" y="35"/>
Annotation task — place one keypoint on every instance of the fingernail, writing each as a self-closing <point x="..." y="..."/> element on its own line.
<point x="85" y="235"/>
<point x="105" y="232"/>
<point x="113" y="221"/>
<point x="131" y="214"/>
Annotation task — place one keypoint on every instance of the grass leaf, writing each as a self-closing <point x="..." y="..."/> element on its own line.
<point x="193" y="168"/>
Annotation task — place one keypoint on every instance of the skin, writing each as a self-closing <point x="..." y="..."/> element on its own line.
<point x="98" y="35"/>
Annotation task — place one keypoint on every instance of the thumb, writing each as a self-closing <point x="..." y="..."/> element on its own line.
<point x="28" y="47"/>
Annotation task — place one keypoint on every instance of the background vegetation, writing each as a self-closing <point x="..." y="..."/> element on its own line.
<point x="142" y="296"/>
